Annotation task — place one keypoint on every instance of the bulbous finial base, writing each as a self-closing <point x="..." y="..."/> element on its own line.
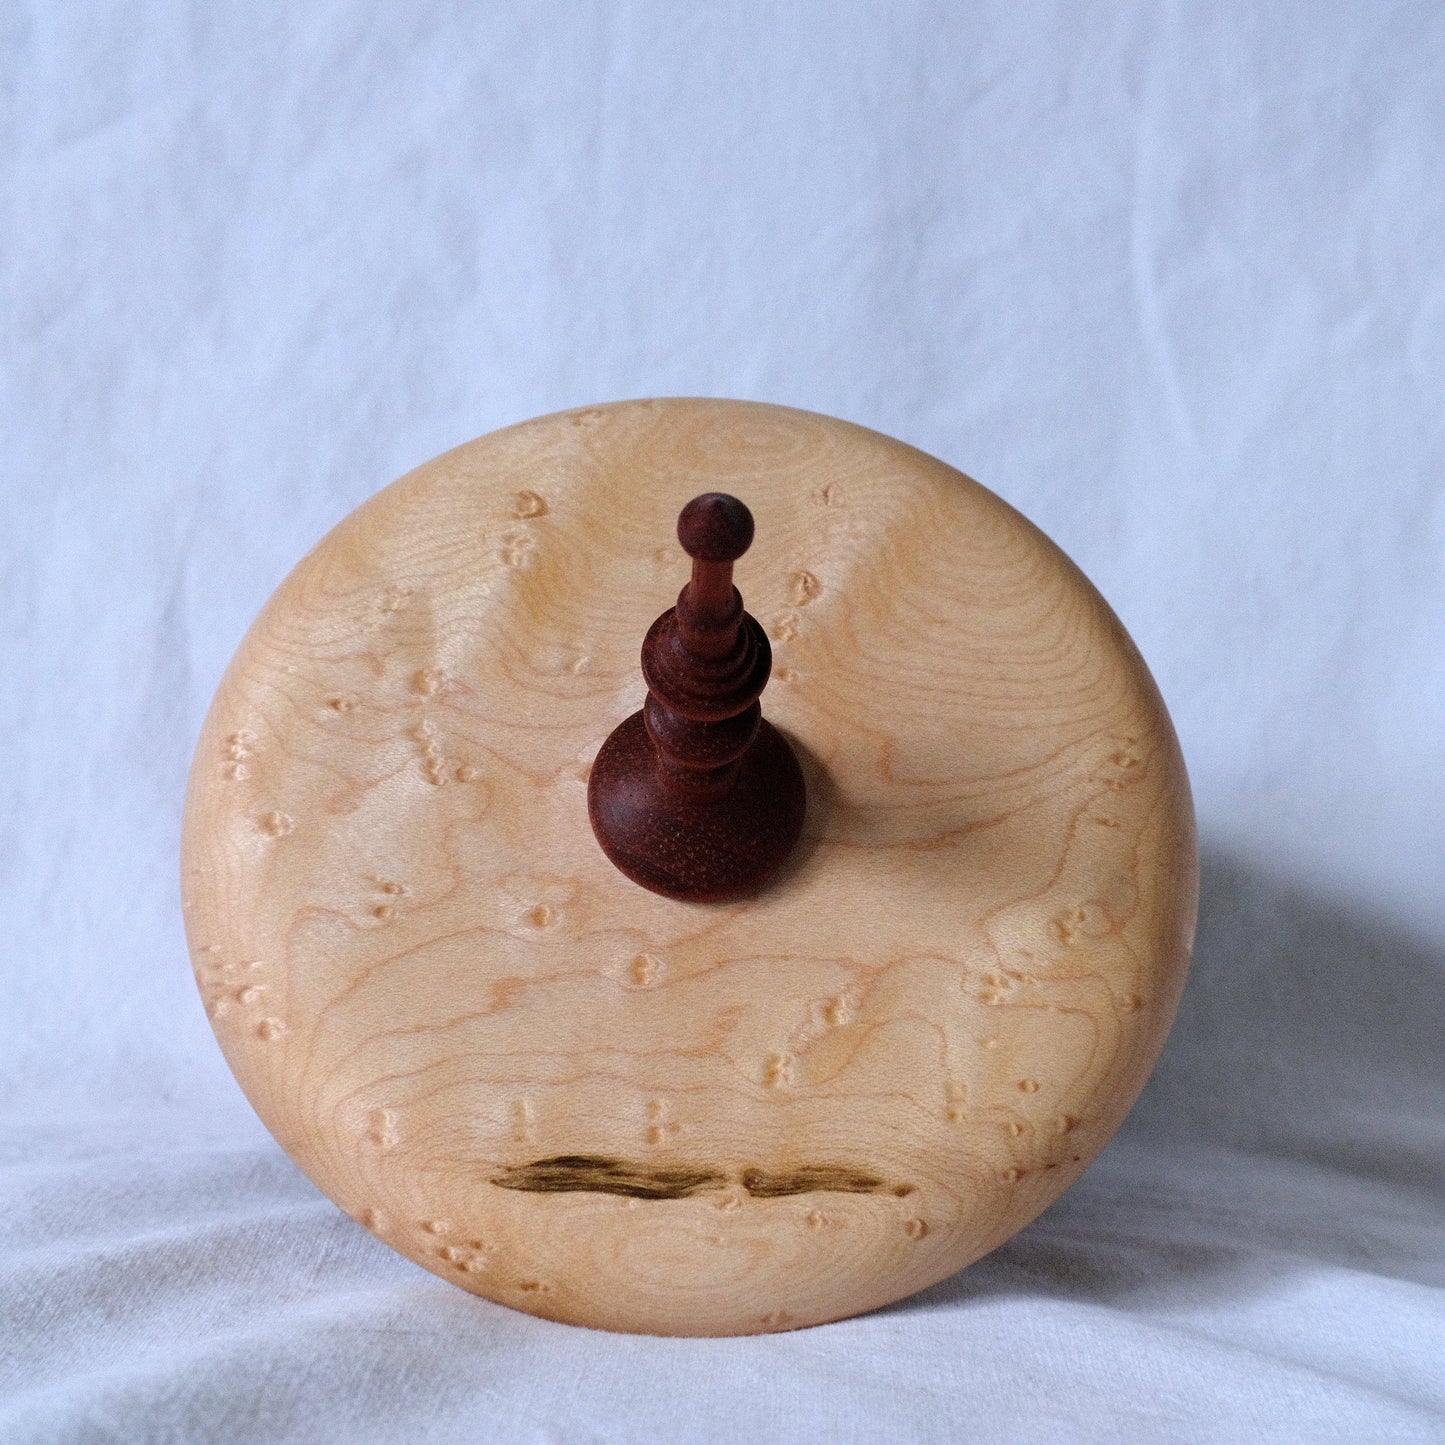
<point x="676" y="846"/>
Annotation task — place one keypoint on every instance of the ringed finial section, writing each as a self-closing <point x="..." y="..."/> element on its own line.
<point x="696" y="797"/>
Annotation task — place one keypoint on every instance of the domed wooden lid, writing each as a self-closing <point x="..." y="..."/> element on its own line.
<point x="598" y="1104"/>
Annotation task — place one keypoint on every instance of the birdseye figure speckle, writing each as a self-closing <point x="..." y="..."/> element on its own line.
<point x="814" y="1004"/>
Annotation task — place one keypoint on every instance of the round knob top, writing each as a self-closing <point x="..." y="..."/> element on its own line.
<point x="715" y="528"/>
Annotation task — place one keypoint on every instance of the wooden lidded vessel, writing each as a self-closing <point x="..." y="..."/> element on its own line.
<point x="600" y="1104"/>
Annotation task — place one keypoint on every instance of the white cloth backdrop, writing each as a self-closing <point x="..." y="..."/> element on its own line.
<point x="1168" y="277"/>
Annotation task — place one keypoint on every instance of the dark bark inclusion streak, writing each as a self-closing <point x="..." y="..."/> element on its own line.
<point x="598" y="1174"/>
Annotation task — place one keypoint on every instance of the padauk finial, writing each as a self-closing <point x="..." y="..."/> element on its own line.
<point x="696" y="797"/>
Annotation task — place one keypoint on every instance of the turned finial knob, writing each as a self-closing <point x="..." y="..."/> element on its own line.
<point x="715" y="528"/>
<point x="696" y="797"/>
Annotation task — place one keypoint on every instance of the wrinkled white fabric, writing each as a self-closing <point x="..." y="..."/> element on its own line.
<point x="1169" y="277"/>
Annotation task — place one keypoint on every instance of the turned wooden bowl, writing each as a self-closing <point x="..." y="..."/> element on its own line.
<point x="600" y="1105"/>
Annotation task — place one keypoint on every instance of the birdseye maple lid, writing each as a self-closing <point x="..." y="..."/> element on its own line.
<point x="581" y="1098"/>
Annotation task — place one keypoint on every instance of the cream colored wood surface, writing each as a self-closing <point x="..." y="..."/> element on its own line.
<point x="429" y="980"/>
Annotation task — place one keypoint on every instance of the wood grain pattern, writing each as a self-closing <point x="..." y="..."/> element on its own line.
<point x="604" y="1106"/>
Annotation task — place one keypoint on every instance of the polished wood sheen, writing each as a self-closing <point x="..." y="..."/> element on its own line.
<point x="608" y="1107"/>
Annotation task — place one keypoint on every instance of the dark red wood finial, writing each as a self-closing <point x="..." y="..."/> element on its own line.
<point x="696" y="797"/>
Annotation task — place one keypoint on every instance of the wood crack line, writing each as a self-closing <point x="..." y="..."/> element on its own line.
<point x="599" y="1174"/>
